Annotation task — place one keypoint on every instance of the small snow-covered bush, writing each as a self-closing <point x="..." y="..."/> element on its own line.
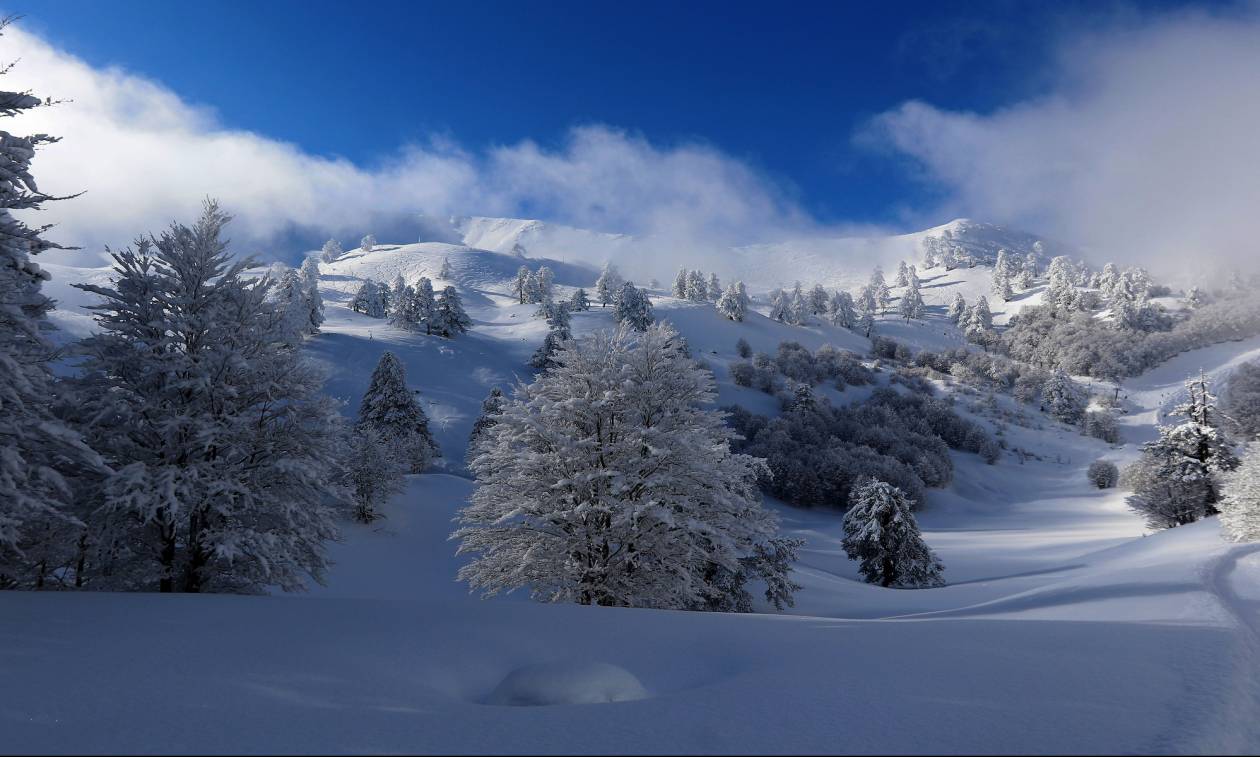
<point x="1103" y="473"/>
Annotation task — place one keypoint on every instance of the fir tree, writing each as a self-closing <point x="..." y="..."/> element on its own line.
<point x="957" y="308"/>
<point x="521" y="284"/>
<point x="881" y="532"/>
<point x="449" y="319"/>
<point x="224" y="450"/>
<point x="911" y="305"/>
<point x="331" y="251"/>
<point x="424" y="306"/>
<point x="374" y="473"/>
<point x="697" y="287"/>
<point x="578" y="301"/>
<point x="715" y="287"/>
<point x="840" y="310"/>
<point x="608" y="285"/>
<point x="605" y="482"/>
<point x="368" y="243"/>
<point x="680" y="284"/>
<point x="818" y="300"/>
<point x="314" y="303"/>
<point x="446" y="273"/>
<point x="391" y="410"/>
<point x="1240" y="505"/>
<point x="1063" y="399"/>
<point x="731" y="305"/>
<point x="491" y="407"/>
<point x="633" y="308"/>
<point x="901" y="279"/>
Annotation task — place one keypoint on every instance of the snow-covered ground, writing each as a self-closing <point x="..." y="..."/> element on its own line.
<point x="1065" y="626"/>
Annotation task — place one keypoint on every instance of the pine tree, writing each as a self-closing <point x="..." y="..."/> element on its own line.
<point x="39" y="455"/>
<point x="911" y="305"/>
<point x="1060" y="293"/>
<point x="402" y="312"/>
<point x="424" y="305"/>
<point x="715" y="287"/>
<point x="391" y="410"/>
<point x="374" y="473"/>
<point x="521" y="284"/>
<point x="680" y="284"/>
<point x="1240" y="505"/>
<point x="545" y="279"/>
<point x="491" y="407"/>
<point x="225" y="453"/>
<point x="449" y="319"/>
<point x="1177" y="480"/>
<point x="368" y="300"/>
<point x="818" y="299"/>
<point x="1063" y="399"/>
<point x="368" y="243"/>
<point x="331" y="251"/>
<point x="866" y="323"/>
<point x="578" y="301"/>
<point x="311" y="298"/>
<point x="731" y="305"/>
<point x="780" y="307"/>
<point x="697" y="288"/>
<point x="608" y="285"/>
<point x="881" y="532"/>
<point x="958" y="309"/>
<point x="901" y="279"/>
<point x="559" y="331"/>
<point x="633" y="308"/>
<point x="446" y="273"/>
<point x="798" y="306"/>
<point x="605" y="482"/>
<point x="840" y="310"/>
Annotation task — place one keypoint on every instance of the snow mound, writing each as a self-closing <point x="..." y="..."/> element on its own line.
<point x="567" y="683"/>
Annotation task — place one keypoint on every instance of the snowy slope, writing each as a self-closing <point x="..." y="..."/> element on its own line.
<point x="1063" y="628"/>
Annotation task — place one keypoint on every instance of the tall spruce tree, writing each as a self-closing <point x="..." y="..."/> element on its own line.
<point x="881" y="532"/>
<point x="391" y="410"/>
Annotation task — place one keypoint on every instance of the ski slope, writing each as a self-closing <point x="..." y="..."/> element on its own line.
<point x="1065" y="627"/>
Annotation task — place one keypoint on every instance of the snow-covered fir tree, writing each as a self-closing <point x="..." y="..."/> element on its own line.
<point x="911" y="304"/>
<point x="331" y="251"/>
<point x="559" y="331"/>
<point x="605" y="482"/>
<point x="39" y="455"/>
<point x="900" y="280"/>
<point x="368" y="243"/>
<point x="290" y="301"/>
<point x="879" y="289"/>
<point x="446" y="273"/>
<point x="491" y="407"/>
<point x="226" y="454"/>
<point x="1240" y="503"/>
<point x="957" y="308"/>
<point x="1062" y="398"/>
<point x="732" y="305"/>
<point x="867" y="300"/>
<point x="608" y="285"/>
<point x="697" y="287"/>
<point x="866" y="323"/>
<point x="1061" y="290"/>
<point x="521" y="284"/>
<point x="818" y="300"/>
<point x="578" y="301"/>
<point x="680" y="284"/>
<point x="880" y="531"/>
<point x="391" y="410"/>
<point x="402" y="310"/>
<point x="779" y="306"/>
<point x="715" y="287"/>
<point x="1177" y="480"/>
<point x="798" y="306"/>
<point x="373" y="473"/>
<point x="632" y="307"/>
<point x="449" y="319"/>
<point x="311" y="298"/>
<point x="840" y="310"/>
<point x="424" y="305"/>
<point x="546" y="282"/>
<point x="368" y="300"/>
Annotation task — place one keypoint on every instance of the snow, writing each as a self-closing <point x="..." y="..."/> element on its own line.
<point x="1065" y="626"/>
<point x="567" y="682"/>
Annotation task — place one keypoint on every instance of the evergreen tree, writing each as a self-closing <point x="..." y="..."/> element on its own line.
<point x="680" y="284"/>
<point x="314" y="303"/>
<point x="901" y="279"/>
<point x="608" y="285"/>
<point x="578" y="301"/>
<point x="559" y="332"/>
<point x="743" y="348"/>
<point x="545" y="279"/>
<point x="331" y="251"/>
<point x="798" y="306"/>
<point x="402" y="312"/>
<point x="392" y="411"/>
<point x="290" y="302"/>
<point x="1177" y="480"/>
<point x="1063" y="399"/>
<point x="633" y="308"/>
<point x="368" y="300"/>
<point x="840" y="310"/>
<point x="39" y="455"/>
<point x="715" y="287"/>
<point x="374" y="473"/>
<point x="731" y="305"/>
<point x="424" y="305"/>
<point x="911" y="305"/>
<point x="957" y="308"/>
<point x="780" y="307"/>
<point x="1061" y="291"/>
<point x="1240" y="505"/>
<point x="368" y="243"/>
<point x="697" y="288"/>
<point x="521" y="285"/>
<point x="491" y="407"/>
<point x="449" y="319"/>
<point x="881" y="532"/>
<point x="446" y="273"/>
<point x="818" y="300"/>
<point x="605" y="482"/>
<point x="225" y="452"/>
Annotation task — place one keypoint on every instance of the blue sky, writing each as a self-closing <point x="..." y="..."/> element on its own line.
<point x="781" y="87"/>
<point x="1126" y="128"/>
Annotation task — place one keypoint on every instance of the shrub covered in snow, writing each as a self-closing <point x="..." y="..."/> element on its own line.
<point x="1103" y="473"/>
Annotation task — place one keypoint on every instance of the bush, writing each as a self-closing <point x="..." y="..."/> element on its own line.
<point x="743" y="349"/>
<point x="1103" y="473"/>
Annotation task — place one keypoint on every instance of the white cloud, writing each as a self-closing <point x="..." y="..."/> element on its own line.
<point x="1145" y="149"/>
<point x="146" y="157"/>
